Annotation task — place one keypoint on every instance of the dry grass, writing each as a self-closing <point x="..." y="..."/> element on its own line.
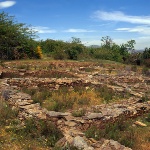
<point x="125" y="132"/>
<point x="34" y="135"/>
<point x="71" y="99"/>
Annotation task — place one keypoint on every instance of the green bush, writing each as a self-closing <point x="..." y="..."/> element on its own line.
<point x="79" y="113"/>
<point x="119" y="131"/>
<point x="45" y="131"/>
<point x="6" y="113"/>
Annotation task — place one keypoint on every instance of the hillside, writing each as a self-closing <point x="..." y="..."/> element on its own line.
<point x="74" y="105"/>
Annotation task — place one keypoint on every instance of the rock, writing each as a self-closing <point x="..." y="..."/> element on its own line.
<point x="74" y="132"/>
<point x="113" y="145"/>
<point x="95" y="116"/>
<point x="56" y="114"/>
<point x="80" y="143"/>
<point x="70" y="123"/>
<point x="140" y="124"/>
<point x="61" y="142"/>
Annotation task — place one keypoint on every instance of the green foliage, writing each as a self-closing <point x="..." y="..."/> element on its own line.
<point x="148" y="118"/>
<point x="130" y="45"/>
<point x="38" y="95"/>
<point x="67" y="147"/>
<point x="134" y="68"/>
<point x="93" y="132"/>
<point x="144" y="98"/>
<point x="62" y="50"/>
<point x="146" y="53"/>
<point x="106" y="93"/>
<point x="146" y="71"/>
<point x="39" y="129"/>
<point x="107" y="42"/>
<point x="79" y="113"/>
<point x="16" y="39"/>
<point x="59" y="54"/>
<point x="6" y="113"/>
<point x="119" y="131"/>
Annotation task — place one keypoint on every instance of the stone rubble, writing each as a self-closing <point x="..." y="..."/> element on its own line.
<point x="70" y="126"/>
<point x="73" y="127"/>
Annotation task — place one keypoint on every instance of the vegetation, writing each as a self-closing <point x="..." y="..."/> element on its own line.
<point x="33" y="134"/>
<point x="78" y="97"/>
<point x="16" y="39"/>
<point x="124" y="132"/>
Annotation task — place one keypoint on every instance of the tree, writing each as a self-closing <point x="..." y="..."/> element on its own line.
<point x="107" y="42"/>
<point x="16" y="39"/>
<point x="146" y="53"/>
<point x="76" y="40"/>
<point x="130" y="45"/>
<point x="74" y="48"/>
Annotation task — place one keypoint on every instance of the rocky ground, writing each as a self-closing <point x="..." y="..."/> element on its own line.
<point x="53" y="75"/>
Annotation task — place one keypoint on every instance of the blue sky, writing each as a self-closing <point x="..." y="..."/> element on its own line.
<point x="88" y="20"/>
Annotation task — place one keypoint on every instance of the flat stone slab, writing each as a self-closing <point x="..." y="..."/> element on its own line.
<point x="56" y="114"/>
<point x="95" y="116"/>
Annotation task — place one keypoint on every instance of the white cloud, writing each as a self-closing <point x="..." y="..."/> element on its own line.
<point x="120" y="16"/>
<point x="78" y="30"/>
<point x="139" y="29"/>
<point x="41" y="29"/>
<point x="7" y="4"/>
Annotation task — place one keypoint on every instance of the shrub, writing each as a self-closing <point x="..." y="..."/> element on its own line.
<point x="6" y="113"/>
<point x="148" y="118"/>
<point x="79" y="113"/>
<point x="45" y="131"/>
<point x="146" y="71"/>
<point x="119" y="131"/>
<point x="38" y="52"/>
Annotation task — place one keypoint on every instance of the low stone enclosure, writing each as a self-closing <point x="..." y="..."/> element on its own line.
<point x="73" y="127"/>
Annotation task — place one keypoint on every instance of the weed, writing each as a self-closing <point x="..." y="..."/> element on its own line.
<point x="67" y="147"/>
<point x="6" y="113"/>
<point x="144" y="98"/>
<point x="148" y="118"/>
<point x="106" y="93"/>
<point x="38" y="95"/>
<point x="22" y="67"/>
<point x="79" y="113"/>
<point x="146" y="71"/>
<point x="44" y="131"/>
<point x="134" y="68"/>
<point x="119" y="131"/>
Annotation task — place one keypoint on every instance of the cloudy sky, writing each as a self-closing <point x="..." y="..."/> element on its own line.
<point x="88" y="20"/>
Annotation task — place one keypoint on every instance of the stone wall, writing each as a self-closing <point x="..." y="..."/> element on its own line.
<point x="72" y="126"/>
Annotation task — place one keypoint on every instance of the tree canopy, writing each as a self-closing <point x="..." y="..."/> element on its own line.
<point x="16" y="39"/>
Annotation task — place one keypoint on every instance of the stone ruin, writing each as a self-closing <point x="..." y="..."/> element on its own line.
<point x="73" y="127"/>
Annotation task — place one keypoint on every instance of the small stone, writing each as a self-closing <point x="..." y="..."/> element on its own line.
<point x="140" y="124"/>
<point x="70" y="123"/>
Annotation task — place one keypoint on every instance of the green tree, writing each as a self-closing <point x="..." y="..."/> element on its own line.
<point x="75" y="48"/>
<point x="146" y="53"/>
<point x="76" y="40"/>
<point x="107" y="42"/>
<point x="16" y="39"/>
<point x="130" y="45"/>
